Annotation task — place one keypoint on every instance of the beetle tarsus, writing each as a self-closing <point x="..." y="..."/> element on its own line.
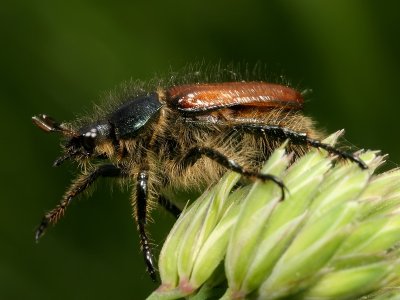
<point x="149" y="261"/>
<point x="276" y="180"/>
<point x="340" y="153"/>
<point x="41" y="229"/>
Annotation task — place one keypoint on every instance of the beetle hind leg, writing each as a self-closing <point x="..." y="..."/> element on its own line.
<point x="299" y="138"/>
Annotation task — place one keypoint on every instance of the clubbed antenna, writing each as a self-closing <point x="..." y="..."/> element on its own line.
<point x="48" y="124"/>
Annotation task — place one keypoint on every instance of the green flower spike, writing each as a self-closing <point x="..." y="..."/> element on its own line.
<point x="336" y="235"/>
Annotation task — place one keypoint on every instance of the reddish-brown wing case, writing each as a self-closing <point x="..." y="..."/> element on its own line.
<point x="209" y="96"/>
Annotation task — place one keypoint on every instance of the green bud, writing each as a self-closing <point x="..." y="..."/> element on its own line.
<point x="350" y="283"/>
<point x="335" y="235"/>
<point x="255" y="210"/>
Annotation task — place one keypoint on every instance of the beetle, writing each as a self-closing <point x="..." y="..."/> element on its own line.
<point x="182" y="136"/>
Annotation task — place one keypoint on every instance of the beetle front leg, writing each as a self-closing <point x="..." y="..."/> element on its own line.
<point x="299" y="138"/>
<point x="141" y="206"/>
<point x="80" y="184"/>
<point x="195" y="153"/>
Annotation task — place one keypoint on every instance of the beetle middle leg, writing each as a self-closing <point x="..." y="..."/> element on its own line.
<point x="80" y="184"/>
<point x="196" y="152"/>
<point x="141" y="206"/>
<point x="299" y="138"/>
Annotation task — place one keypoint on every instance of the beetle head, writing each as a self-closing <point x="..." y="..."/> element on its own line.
<point x="81" y="143"/>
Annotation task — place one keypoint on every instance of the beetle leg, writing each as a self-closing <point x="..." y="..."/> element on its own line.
<point x="300" y="138"/>
<point x="80" y="184"/>
<point x="195" y="153"/>
<point x="169" y="206"/>
<point x="141" y="219"/>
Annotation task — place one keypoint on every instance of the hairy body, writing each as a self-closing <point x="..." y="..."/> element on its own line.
<point x="182" y="137"/>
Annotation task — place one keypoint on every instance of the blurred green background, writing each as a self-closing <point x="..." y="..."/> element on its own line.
<point x="57" y="57"/>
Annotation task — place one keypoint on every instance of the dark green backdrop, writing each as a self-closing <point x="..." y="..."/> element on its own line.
<point x="57" y="57"/>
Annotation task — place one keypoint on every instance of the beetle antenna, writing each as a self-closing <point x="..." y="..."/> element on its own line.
<point x="48" y="124"/>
